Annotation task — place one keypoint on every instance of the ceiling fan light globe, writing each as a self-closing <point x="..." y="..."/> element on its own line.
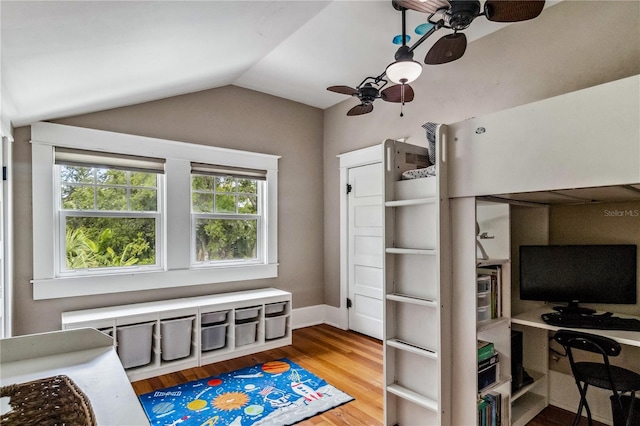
<point x="404" y="72"/>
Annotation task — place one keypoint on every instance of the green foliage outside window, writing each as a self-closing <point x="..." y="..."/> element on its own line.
<point x="93" y="240"/>
<point x="227" y="228"/>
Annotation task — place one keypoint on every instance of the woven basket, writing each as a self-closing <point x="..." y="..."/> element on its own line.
<point x="51" y="401"/>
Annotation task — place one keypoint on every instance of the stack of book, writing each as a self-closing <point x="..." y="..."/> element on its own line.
<point x="488" y="364"/>
<point x="490" y="409"/>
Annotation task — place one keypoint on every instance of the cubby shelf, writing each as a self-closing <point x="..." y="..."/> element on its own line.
<point x="110" y="319"/>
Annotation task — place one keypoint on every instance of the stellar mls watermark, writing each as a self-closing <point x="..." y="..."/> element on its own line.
<point x="622" y="213"/>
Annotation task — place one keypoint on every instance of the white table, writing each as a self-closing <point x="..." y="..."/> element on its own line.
<point x="84" y="355"/>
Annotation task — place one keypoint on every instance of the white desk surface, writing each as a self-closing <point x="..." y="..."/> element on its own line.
<point x="89" y="360"/>
<point x="532" y="319"/>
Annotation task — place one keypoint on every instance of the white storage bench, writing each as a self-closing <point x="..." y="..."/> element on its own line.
<point x="161" y="337"/>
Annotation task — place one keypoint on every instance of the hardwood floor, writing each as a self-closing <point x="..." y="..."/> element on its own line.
<point x="350" y="361"/>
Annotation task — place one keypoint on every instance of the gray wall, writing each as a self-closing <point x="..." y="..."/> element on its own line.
<point x="229" y="117"/>
<point x="571" y="46"/>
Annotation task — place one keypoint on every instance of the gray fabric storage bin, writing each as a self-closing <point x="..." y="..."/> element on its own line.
<point x="211" y="318"/>
<point x="175" y="338"/>
<point x="246" y="333"/>
<point x="274" y="308"/>
<point x="213" y="337"/>
<point x="247" y="314"/>
<point x="134" y="343"/>
<point x="275" y="327"/>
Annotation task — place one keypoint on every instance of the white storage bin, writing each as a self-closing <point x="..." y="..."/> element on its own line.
<point x="213" y="337"/>
<point x="211" y="318"/>
<point x="274" y="308"/>
<point x="484" y="314"/>
<point x="134" y="344"/>
<point x="246" y="333"/>
<point x="484" y="300"/>
<point x="175" y="338"/>
<point x="247" y="314"/>
<point x="275" y="327"/>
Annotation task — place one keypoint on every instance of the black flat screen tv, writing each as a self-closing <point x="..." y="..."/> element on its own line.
<point x="579" y="274"/>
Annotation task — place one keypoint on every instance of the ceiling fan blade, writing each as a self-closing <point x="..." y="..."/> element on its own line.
<point x="512" y="11"/>
<point x="427" y="6"/>
<point x="344" y="90"/>
<point x="360" y="109"/>
<point x="447" y="49"/>
<point x="394" y="93"/>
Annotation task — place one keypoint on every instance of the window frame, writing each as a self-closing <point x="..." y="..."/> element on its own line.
<point x="260" y="217"/>
<point x="177" y="270"/>
<point x="61" y="215"/>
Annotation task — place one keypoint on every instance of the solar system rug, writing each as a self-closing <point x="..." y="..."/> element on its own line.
<point x="274" y="393"/>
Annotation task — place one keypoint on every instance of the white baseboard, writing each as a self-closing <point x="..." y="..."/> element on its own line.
<point x="318" y="314"/>
<point x="563" y="393"/>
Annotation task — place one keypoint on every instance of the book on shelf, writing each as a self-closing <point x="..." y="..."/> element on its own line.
<point x="485" y="350"/>
<point x="492" y="409"/>
<point x="493" y="273"/>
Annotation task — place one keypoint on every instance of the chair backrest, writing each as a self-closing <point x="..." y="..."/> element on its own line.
<point x="588" y="342"/>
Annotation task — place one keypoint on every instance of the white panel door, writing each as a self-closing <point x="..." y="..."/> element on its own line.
<point x="366" y="249"/>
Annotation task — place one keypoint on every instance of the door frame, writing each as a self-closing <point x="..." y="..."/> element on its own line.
<point x="348" y="160"/>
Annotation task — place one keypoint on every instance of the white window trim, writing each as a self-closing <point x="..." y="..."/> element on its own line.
<point x="178" y="157"/>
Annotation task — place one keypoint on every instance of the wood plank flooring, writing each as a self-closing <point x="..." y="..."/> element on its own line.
<point x="350" y="361"/>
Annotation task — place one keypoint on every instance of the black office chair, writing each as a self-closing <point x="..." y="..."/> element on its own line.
<point x="625" y="408"/>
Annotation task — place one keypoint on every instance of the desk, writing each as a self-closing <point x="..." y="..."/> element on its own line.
<point x="531" y="399"/>
<point x="84" y="355"/>
<point x="532" y="319"/>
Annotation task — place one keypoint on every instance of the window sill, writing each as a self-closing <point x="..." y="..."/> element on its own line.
<point x="57" y="288"/>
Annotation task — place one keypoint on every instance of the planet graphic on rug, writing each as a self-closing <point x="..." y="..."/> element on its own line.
<point x="162" y="408"/>
<point x="229" y="401"/>
<point x="197" y="404"/>
<point x="275" y="367"/>
<point x="254" y="410"/>
<point x="214" y="382"/>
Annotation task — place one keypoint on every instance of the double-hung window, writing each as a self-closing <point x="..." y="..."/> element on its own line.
<point x="109" y="212"/>
<point x="114" y="212"/>
<point x="228" y="221"/>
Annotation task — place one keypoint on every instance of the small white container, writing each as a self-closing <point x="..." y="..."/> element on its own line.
<point x="175" y="341"/>
<point x="211" y="318"/>
<point x="484" y="283"/>
<point x="484" y="300"/>
<point x="134" y="344"/>
<point x="275" y="327"/>
<point x="213" y="337"/>
<point x="484" y="314"/>
<point x="246" y="314"/>
<point x="246" y="333"/>
<point x="274" y="308"/>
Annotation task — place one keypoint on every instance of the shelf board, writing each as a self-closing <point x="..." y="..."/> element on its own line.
<point x="526" y="408"/>
<point x="536" y="375"/>
<point x="413" y="397"/>
<point x="410" y="202"/>
<point x="405" y="298"/>
<point x="494" y="385"/>
<point x="492" y="323"/>
<point x="410" y="347"/>
<point x="491" y="262"/>
<point x="395" y="250"/>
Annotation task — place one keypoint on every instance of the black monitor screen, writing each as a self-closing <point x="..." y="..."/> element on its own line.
<point x="579" y="273"/>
